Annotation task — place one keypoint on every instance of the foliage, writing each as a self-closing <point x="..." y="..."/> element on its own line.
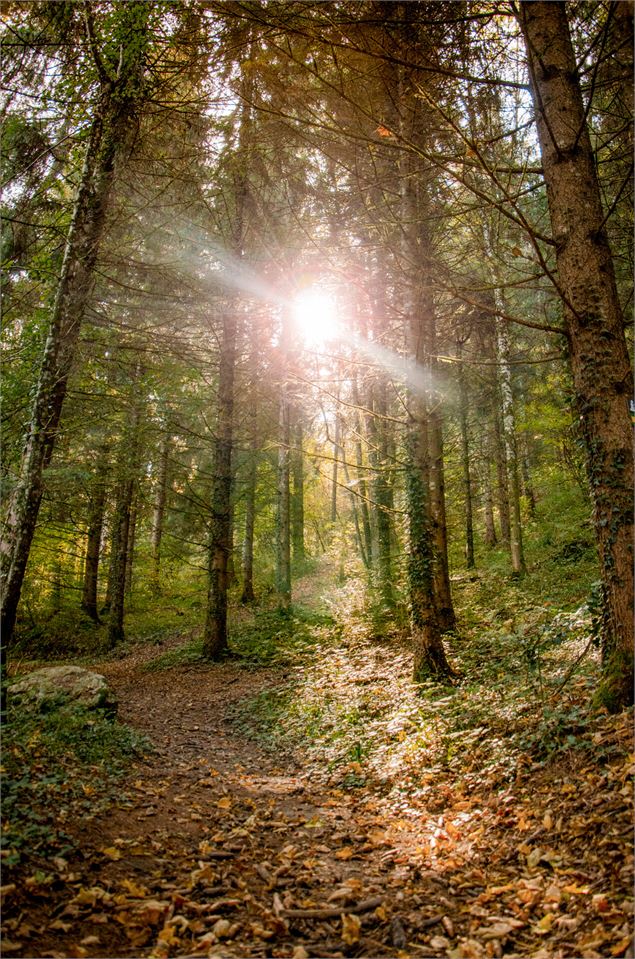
<point x="57" y="766"/>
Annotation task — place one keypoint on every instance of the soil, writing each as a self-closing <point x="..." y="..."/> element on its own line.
<point x="219" y="848"/>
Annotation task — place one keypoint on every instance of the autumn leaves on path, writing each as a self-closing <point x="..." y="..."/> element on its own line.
<point x="217" y="849"/>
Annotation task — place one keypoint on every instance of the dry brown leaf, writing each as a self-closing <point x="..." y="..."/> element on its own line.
<point x="351" y="929"/>
<point x="346" y="853"/>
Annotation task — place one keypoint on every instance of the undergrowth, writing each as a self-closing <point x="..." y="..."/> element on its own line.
<point x="264" y="637"/>
<point x="527" y="673"/>
<point x="58" y="766"/>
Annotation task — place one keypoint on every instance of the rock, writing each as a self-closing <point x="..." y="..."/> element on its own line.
<point x="53" y="686"/>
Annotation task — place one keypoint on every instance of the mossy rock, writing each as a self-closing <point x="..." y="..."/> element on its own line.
<point x="55" y="686"/>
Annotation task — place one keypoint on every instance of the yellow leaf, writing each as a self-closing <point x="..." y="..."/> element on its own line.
<point x="545" y="924"/>
<point x="224" y="803"/>
<point x="346" y="853"/>
<point x="621" y="947"/>
<point x="137" y="892"/>
<point x="168" y="936"/>
<point x="351" y="928"/>
<point x="111" y="852"/>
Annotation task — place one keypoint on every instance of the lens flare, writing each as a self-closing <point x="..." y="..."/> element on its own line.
<point x="315" y="317"/>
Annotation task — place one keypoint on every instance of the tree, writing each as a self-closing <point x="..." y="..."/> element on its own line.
<point x="594" y="323"/>
<point x="121" y="92"/>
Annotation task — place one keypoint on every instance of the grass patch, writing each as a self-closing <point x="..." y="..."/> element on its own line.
<point x="187" y="655"/>
<point x="279" y="637"/>
<point x="58" y="766"/>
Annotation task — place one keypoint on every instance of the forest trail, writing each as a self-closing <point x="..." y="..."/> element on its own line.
<point x="216" y="844"/>
<point x="216" y="847"/>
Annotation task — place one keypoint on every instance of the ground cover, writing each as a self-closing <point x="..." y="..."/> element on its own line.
<point x="304" y="799"/>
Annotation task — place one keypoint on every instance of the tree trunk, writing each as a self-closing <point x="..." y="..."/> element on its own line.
<point x="283" y="519"/>
<point x="442" y="589"/>
<point x="594" y="324"/>
<point x="132" y="540"/>
<point x="362" y="486"/>
<point x="93" y="545"/>
<point x="465" y="461"/>
<point x="158" y="514"/>
<point x="221" y="531"/>
<point x="525" y="473"/>
<point x="429" y="654"/>
<point x="248" y="595"/>
<point x="336" y="460"/>
<point x="502" y="481"/>
<point x="376" y="427"/>
<point x="297" y="497"/>
<point x="486" y="485"/>
<point x="508" y="423"/>
<point x="128" y="471"/>
<point x="215" y="629"/>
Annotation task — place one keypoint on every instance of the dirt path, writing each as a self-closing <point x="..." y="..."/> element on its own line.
<point x="218" y="849"/>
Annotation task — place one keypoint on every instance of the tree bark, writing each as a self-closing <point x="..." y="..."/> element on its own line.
<point x="297" y="496"/>
<point x="93" y="544"/>
<point x="121" y="526"/>
<point x="248" y="595"/>
<point x="107" y="140"/>
<point x="594" y="324"/>
<point x="158" y="513"/>
<point x="508" y="424"/>
<point x="283" y="518"/>
<point x="465" y="461"/>
<point x="215" y="629"/>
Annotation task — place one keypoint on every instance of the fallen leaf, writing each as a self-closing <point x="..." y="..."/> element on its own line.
<point x="111" y="852"/>
<point x="222" y="928"/>
<point x="137" y="892"/>
<point x="346" y="853"/>
<point x="224" y="802"/>
<point x="351" y="928"/>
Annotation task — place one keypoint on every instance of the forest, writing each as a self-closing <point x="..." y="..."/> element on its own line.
<point x="317" y="478"/>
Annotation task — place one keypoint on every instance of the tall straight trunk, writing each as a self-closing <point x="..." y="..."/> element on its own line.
<point x="297" y="496"/>
<point x="132" y="540"/>
<point x="221" y="525"/>
<point x="429" y="655"/>
<point x="158" y="512"/>
<point x="376" y="428"/>
<point x="248" y="595"/>
<point x="336" y="461"/>
<point x="486" y="485"/>
<point x="215" y="629"/>
<point x="128" y="469"/>
<point x="283" y="518"/>
<point x="502" y="481"/>
<point x="442" y="589"/>
<point x="594" y="323"/>
<point x="465" y="463"/>
<point x="355" y="511"/>
<point x="362" y="486"/>
<point x="108" y="138"/>
<point x="508" y="423"/>
<point x="525" y="473"/>
<point x="93" y="543"/>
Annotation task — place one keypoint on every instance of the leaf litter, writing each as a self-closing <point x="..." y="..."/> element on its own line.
<point x="427" y="844"/>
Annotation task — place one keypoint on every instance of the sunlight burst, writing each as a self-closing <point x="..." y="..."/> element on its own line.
<point x="315" y="316"/>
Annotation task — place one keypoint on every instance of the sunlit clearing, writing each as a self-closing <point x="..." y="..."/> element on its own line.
<point x="315" y="317"/>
